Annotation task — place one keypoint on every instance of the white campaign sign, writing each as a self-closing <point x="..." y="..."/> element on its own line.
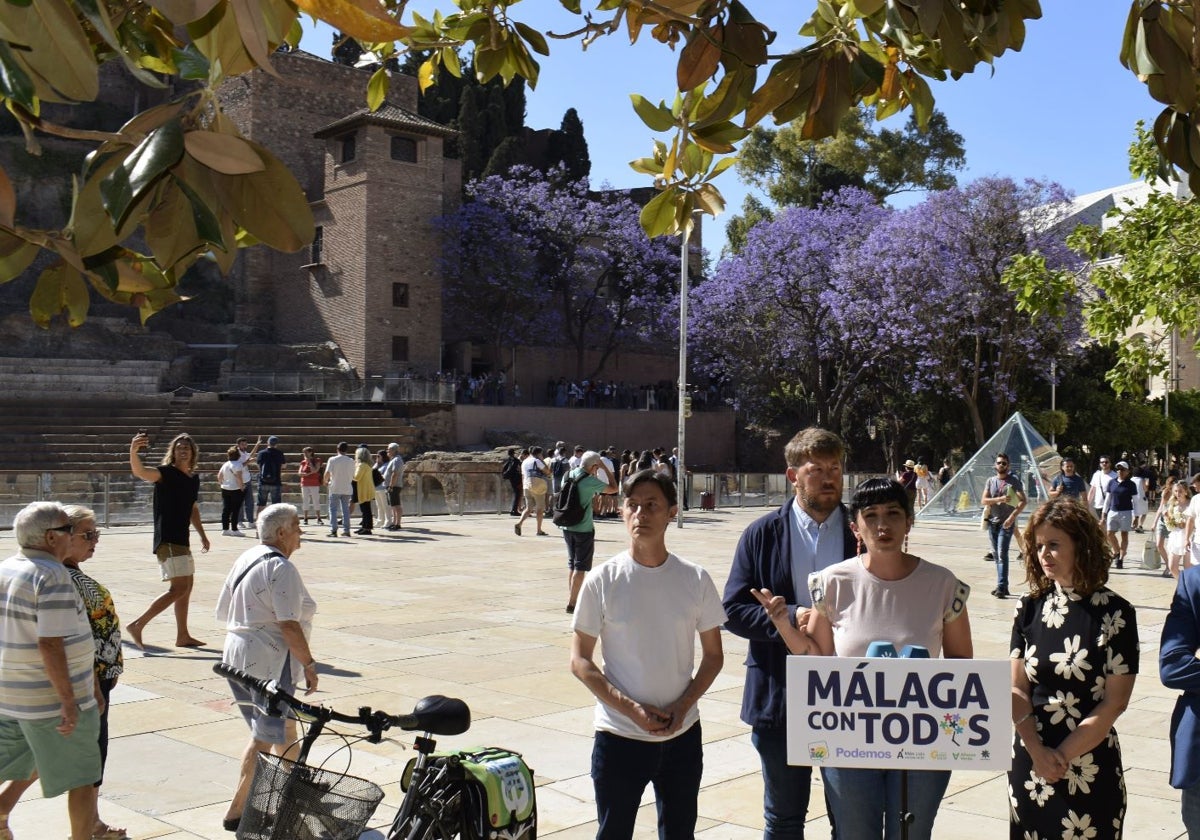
<point x="916" y="714"/>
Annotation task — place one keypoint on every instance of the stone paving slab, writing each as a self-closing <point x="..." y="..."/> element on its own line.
<point x="464" y="607"/>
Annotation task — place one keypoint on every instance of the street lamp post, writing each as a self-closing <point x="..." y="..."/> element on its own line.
<point x="680" y="468"/>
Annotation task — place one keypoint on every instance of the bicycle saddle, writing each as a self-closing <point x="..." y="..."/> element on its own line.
<point x="442" y="715"/>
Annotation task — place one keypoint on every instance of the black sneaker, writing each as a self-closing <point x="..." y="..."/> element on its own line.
<point x="989" y="558"/>
<point x="999" y="593"/>
<point x="1120" y="562"/>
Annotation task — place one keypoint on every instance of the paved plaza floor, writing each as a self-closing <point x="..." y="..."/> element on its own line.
<point x="463" y="607"/>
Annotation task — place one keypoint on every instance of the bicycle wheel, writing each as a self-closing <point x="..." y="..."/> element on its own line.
<point x="425" y="824"/>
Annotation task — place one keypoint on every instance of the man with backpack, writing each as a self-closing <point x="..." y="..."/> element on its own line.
<point x="581" y="485"/>
<point x="535" y="474"/>
<point x="510" y="471"/>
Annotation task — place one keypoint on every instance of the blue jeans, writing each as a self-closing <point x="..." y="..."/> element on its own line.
<point x="272" y="491"/>
<point x="339" y="501"/>
<point x="249" y="504"/>
<point x="1191" y="811"/>
<point x="621" y="769"/>
<point x="866" y="803"/>
<point x="786" y="788"/>
<point x="1000" y="537"/>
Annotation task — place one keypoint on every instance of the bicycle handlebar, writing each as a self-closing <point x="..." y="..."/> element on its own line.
<point x="376" y="722"/>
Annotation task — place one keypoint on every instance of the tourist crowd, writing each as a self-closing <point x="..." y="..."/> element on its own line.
<point x="817" y="578"/>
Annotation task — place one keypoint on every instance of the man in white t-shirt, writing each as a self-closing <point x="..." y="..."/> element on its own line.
<point x="339" y="476"/>
<point x="1190" y="530"/>
<point x="535" y="482"/>
<point x="1098" y="487"/>
<point x="646" y="607"/>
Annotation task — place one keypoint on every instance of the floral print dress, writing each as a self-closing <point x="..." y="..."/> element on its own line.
<point x="1070" y="644"/>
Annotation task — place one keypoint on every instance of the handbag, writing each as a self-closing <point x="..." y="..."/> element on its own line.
<point x="1151" y="559"/>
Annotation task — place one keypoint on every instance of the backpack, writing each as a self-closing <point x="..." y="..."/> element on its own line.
<point x="558" y="468"/>
<point x="511" y="469"/>
<point x="567" y="509"/>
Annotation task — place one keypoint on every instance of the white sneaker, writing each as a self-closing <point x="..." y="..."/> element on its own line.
<point x="235" y="533"/>
<point x="227" y="533"/>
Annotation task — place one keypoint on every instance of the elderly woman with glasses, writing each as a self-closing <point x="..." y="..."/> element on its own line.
<point x="268" y="614"/>
<point x="106" y="632"/>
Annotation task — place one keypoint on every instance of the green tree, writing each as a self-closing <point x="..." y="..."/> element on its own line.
<point x="795" y="172"/>
<point x="753" y="212"/>
<point x="179" y="179"/>
<point x="569" y="147"/>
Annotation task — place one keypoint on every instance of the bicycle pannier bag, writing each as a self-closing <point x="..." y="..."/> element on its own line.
<point x="499" y="801"/>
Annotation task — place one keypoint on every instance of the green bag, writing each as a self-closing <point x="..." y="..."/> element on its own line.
<point x="498" y="795"/>
<point x="499" y="788"/>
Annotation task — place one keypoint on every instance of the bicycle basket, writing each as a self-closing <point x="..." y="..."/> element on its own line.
<point x="290" y="801"/>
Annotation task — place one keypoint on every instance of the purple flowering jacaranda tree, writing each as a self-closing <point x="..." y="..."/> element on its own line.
<point x="531" y="260"/>
<point x="790" y="329"/>
<point x="937" y="271"/>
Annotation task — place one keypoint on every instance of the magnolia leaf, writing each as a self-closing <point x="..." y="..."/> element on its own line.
<point x="427" y="73"/>
<point x="692" y="160"/>
<point x="269" y="205"/>
<point x="154" y="301"/>
<point x="535" y="38"/>
<point x="15" y="255"/>
<point x="218" y="36"/>
<point x="647" y="166"/>
<point x="658" y="216"/>
<point x="224" y="153"/>
<point x="709" y="199"/>
<point x="96" y="12"/>
<point x="59" y="50"/>
<point x="720" y="137"/>
<point x="656" y="117"/>
<point x="8" y="200"/>
<point x="253" y="30"/>
<point x="184" y="11"/>
<point x="450" y="62"/>
<point x="699" y="60"/>
<point x="15" y="83"/>
<point x="60" y="287"/>
<point x="723" y="164"/>
<point x="365" y="20"/>
<point x="170" y="228"/>
<point x="488" y="62"/>
<point x="191" y="63"/>
<point x="130" y="180"/>
<point x="377" y="88"/>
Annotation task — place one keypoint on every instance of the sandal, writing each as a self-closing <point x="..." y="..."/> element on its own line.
<point x="108" y="832"/>
<point x="5" y="831"/>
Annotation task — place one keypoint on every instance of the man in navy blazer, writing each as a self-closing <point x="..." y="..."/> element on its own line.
<point x="777" y="553"/>
<point x="1179" y="668"/>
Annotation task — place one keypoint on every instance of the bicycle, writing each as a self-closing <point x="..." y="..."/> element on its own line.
<point x="447" y="795"/>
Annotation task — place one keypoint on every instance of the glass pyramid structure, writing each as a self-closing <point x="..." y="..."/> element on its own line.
<point x="1032" y="460"/>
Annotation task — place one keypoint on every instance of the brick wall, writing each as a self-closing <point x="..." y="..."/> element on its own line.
<point x="375" y="215"/>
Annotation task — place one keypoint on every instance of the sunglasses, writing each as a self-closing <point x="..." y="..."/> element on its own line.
<point x="89" y="536"/>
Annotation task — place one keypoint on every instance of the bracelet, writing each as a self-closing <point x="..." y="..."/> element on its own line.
<point x="312" y="664"/>
<point x="1024" y="718"/>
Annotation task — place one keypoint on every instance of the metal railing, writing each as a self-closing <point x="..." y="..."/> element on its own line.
<point x="340" y="389"/>
<point x="120" y="499"/>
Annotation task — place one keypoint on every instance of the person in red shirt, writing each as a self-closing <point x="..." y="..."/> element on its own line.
<point x="310" y="483"/>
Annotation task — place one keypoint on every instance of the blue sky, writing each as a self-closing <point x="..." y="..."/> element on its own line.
<point x="1062" y="109"/>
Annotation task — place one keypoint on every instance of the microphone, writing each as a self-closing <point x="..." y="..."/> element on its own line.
<point x="914" y="652"/>
<point x="882" y="649"/>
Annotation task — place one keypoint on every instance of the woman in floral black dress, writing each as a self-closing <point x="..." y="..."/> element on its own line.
<point x="1075" y="658"/>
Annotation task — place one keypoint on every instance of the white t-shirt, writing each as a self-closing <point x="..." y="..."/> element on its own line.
<point x="271" y="592"/>
<point x="532" y="468"/>
<point x="864" y="608"/>
<point x="38" y="600"/>
<point x="340" y="472"/>
<point x="1193" y="510"/>
<point x="1099" y="483"/>
<point x="647" y="620"/>
<point x="229" y="474"/>
<point x="244" y="463"/>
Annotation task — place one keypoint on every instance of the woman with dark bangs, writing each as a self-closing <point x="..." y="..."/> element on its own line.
<point x="884" y="593"/>
<point x="1074" y="662"/>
